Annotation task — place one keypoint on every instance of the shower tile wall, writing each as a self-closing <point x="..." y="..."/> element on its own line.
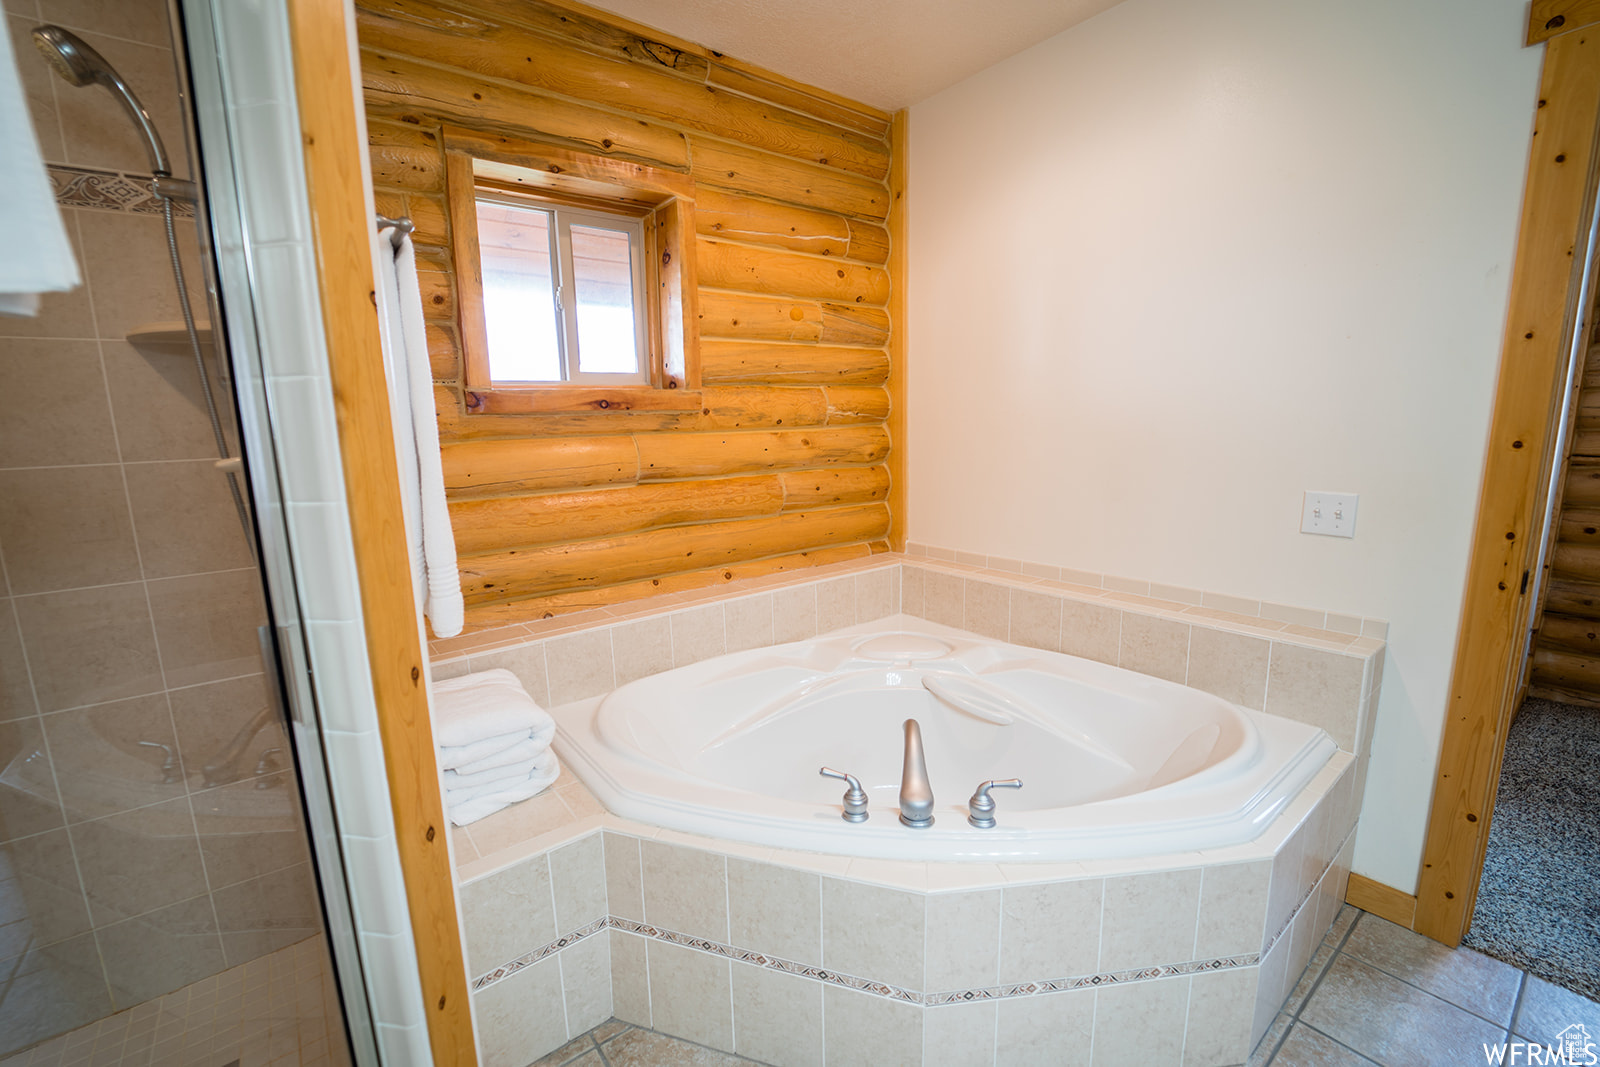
<point x="128" y="655"/>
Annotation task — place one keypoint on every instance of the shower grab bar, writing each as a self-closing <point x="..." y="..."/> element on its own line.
<point x="403" y="226"/>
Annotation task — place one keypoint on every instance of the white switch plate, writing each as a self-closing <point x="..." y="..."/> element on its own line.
<point x="1333" y="514"/>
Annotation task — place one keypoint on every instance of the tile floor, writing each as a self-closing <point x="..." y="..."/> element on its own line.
<point x="280" y="1010"/>
<point x="1375" y="993"/>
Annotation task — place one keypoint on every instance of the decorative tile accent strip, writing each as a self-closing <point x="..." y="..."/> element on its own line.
<point x="529" y="959"/>
<point x="865" y="985"/>
<point x="108" y="190"/>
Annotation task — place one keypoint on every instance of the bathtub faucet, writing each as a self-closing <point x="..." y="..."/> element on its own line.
<point x="916" y="794"/>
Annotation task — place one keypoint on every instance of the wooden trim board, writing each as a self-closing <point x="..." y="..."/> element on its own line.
<point x="342" y="236"/>
<point x="1551" y="18"/>
<point x="1384" y="901"/>
<point x="1528" y="395"/>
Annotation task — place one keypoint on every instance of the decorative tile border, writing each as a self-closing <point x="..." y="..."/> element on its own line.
<point x="109" y="190"/>
<point x="866" y="985"/>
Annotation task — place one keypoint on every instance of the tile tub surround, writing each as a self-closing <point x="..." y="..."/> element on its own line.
<point x="786" y="956"/>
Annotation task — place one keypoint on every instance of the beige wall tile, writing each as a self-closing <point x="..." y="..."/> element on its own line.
<point x="685" y="890"/>
<point x="160" y="951"/>
<point x="1036" y="620"/>
<point x="642" y="648"/>
<point x="972" y="559"/>
<point x="579" y="666"/>
<point x="1317" y="687"/>
<point x="1293" y="615"/>
<point x="99" y="764"/>
<point x="1137" y="586"/>
<point x="630" y="982"/>
<point x="523" y="821"/>
<point x="527" y="662"/>
<point x="872" y="932"/>
<point x="1179" y="593"/>
<point x="1221" y="1009"/>
<point x="45" y="902"/>
<point x="75" y="427"/>
<point x="1141" y="1023"/>
<point x="988" y="609"/>
<point x="874" y="594"/>
<point x="1233" y="909"/>
<point x="123" y="298"/>
<point x="36" y="80"/>
<point x="139" y="860"/>
<point x="206" y="625"/>
<point x="89" y="645"/>
<point x="64" y="987"/>
<point x="98" y="134"/>
<point x="775" y="910"/>
<point x="624" y="892"/>
<point x="66" y="314"/>
<point x="777" y="1017"/>
<point x="959" y="1035"/>
<point x="586" y="983"/>
<point x="1050" y="930"/>
<point x="913" y="586"/>
<point x="944" y="598"/>
<point x="578" y="882"/>
<point x="66" y="527"/>
<point x="250" y="828"/>
<point x="519" y="1017"/>
<point x="691" y="995"/>
<point x="963" y="941"/>
<point x="1093" y="631"/>
<point x="452" y="669"/>
<point x="863" y="1030"/>
<point x="16" y="690"/>
<point x="836" y="604"/>
<point x="185" y="519"/>
<point x="1053" y="1030"/>
<point x="159" y="405"/>
<point x="207" y="717"/>
<point x="1149" y="919"/>
<point x="1273" y="984"/>
<point x="265" y="914"/>
<point x="1157" y="647"/>
<point x="1233" y="666"/>
<point x="1237" y="605"/>
<point x="749" y="622"/>
<point x="794" y="614"/>
<point x="697" y="634"/>
<point x="507" y="914"/>
<point x="1042" y="570"/>
<point x="144" y="22"/>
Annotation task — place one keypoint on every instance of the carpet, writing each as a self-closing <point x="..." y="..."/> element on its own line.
<point x="1539" y="902"/>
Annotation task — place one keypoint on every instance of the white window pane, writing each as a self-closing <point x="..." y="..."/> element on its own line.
<point x="602" y="266"/>
<point x="518" y="295"/>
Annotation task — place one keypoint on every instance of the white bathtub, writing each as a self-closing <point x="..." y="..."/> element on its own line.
<point x="1113" y="763"/>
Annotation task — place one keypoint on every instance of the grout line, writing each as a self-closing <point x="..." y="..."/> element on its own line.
<point x="1516" y="1004"/>
<point x="1351" y="1049"/>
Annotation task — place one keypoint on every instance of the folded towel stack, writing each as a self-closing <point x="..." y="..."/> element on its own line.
<point x="494" y="743"/>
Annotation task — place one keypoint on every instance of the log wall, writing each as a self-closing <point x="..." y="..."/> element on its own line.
<point x="787" y="460"/>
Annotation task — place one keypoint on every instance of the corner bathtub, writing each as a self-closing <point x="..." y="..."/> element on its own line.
<point x="1113" y="763"/>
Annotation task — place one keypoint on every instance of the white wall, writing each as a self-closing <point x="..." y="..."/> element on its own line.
<point x="1178" y="264"/>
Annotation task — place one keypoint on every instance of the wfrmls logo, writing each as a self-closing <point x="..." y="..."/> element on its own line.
<point x="1572" y="1047"/>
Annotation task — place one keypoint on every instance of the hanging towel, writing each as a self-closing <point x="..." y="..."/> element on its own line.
<point x="487" y="704"/>
<point x="434" y="577"/>
<point x="35" y="256"/>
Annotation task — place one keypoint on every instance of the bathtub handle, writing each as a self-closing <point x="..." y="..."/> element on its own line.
<point x="855" y="798"/>
<point x="980" y="809"/>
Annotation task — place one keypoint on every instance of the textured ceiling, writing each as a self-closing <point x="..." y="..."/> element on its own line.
<point x="888" y="53"/>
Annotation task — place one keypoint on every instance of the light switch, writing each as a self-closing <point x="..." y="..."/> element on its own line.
<point x="1332" y="514"/>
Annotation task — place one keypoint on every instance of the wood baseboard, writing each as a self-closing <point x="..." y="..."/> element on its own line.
<point x="1383" y="901"/>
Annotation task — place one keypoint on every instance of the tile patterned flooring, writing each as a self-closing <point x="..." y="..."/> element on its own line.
<point x="281" y="1010"/>
<point x="1374" y="993"/>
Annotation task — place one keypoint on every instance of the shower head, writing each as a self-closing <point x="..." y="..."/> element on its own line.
<point x="80" y="65"/>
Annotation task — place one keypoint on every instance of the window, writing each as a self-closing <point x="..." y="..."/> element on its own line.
<point x="574" y="279"/>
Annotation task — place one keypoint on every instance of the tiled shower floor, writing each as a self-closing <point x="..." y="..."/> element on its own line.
<point x="280" y="1010"/>
<point x="1375" y="993"/>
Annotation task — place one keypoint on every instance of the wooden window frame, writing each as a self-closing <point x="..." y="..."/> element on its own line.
<point x="663" y="200"/>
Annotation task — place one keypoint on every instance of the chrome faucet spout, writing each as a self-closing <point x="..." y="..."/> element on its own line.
<point x="916" y="793"/>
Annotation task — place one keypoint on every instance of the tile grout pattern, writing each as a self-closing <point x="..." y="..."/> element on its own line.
<point x="615" y="1043"/>
<point x="1377" y="993"/>
<point x="278" y="1010"/>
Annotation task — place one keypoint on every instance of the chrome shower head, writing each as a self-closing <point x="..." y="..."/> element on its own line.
<point x="80" y="65"/>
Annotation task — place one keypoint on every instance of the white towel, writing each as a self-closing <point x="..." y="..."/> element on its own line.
<point x="488" y="704"/>
<point x="435" y="579"/>
<point x="454" y="783"/>
<point x="546" y="767"/>
<point x="523" y="751"/>
<point x="35" y="257"/>
<point x="458" y="756"/>
<point x="468" y="806"/>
